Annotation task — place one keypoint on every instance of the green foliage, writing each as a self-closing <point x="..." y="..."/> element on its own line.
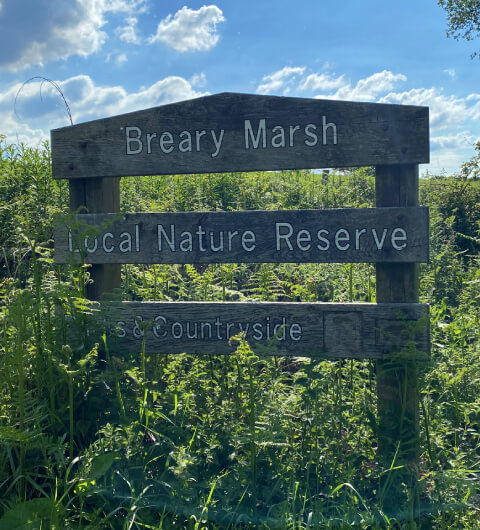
<point x="471" y="168"/>
<point x="28" y="199"/>
<point x="463" y="19"/>
<point x="240" y="441"/>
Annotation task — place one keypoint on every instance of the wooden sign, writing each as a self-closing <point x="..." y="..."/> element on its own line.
<point x="282" y="328"/>
<point x="239" y="132"/>
<point x="367" y="235"/>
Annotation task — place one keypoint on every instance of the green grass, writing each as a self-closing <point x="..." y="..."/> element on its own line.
<point x="240" y="441"/>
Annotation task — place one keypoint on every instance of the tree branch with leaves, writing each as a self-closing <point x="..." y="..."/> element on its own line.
<point x="463" y="19"/>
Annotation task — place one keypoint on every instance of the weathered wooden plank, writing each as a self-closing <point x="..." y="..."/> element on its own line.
<point x="286" y="236"/>
<point x="282" y="328"/>
<point x="98" y="195"/>
<point x="240" y="132"/>
<point x="397" y="381"/>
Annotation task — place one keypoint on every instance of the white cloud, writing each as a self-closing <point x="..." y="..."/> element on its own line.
<point x="450" y="72"/>
<point x="199" y="80"/>
<point x="54" y="30"/>
<point x="96" y="101"/>
<point x="279" y="80"/>
<point x="190" y="30"/>
<point x="447" y="161"/>
<point x="124" y="6"/>
<point x="121" y="59"/>
<point x="370" y="88"/>
<point x="448" y="152"/>
<point x="445" y="111"/>
<point x="323" y="82"/>
<point x="128" y="32"/>
<point x="461" y="140"/>
<point x="40" y="107"/>
<point x="16" y="132"/>
<point x="325" y="85"/>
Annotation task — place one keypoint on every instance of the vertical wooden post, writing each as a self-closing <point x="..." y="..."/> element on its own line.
<point x="98" y="195"/>
<point x="397" y="382"/>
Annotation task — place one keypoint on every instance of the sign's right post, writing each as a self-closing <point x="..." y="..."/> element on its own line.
<point x="397" y="380"/>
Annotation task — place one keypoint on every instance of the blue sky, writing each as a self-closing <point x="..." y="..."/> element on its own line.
<point x="115" y="56"/>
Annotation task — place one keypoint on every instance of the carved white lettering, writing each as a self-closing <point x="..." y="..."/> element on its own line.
<point x="135" y="140"/>
<point x="215" y="328"/>
<point x="258" y="134"/>
<point x="126" y="244"/>
<point x="169" y="240"/>
<point x="104" y="242"/>
<point x="177" y="330"/>
<point x="278" y="140"/>
<point x="326" y="242"/>
<point x="313" y="138"/>
<point x="198" y="135"/>
<point x="202" y="240"/>
<point x="200" y="232"/>
<point x="120" y="330"/>
<point x="186" y="244"/>
<point x="358" y="233"/>
<point x="157" y="326"/>
<point x="138" y="330"/>
<point x="304" y="240"/>
<point x="91" y="250"/>
<point x="150" y="137"/>
<point x="327" y="126"/>
<point x="166" y="141"/>
<point x="248" y="241"/>
<point x="217" y="141"/>
<point x="218" y="248"/>
<point x="380" y="242"/>
<point x="399" y="234"/>
<point x="231" y="235"/>
<point x="293" y="130"/>
<point x="295" y="332"/>
<point x="185" y="145"/>
<point x="340" y="236"/>
<point x="286" y="235"/>
<point x="255" y="140"/>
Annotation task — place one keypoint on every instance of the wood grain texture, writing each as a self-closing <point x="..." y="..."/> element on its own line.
<point x="187" y="137"/>
<point x="397" y="186"/>
<point x="98" y="195"/>
<point x="397" y="382"/>
<point x="282" y="328"/>
<point x="289" y="236"/>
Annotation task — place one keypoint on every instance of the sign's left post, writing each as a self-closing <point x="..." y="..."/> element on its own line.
<point x="98" y="195"/>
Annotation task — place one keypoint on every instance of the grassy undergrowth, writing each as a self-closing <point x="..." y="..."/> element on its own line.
<point x="178" y="441"/>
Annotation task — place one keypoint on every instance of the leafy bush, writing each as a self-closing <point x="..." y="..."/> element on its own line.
<point x="223" y="441"/>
